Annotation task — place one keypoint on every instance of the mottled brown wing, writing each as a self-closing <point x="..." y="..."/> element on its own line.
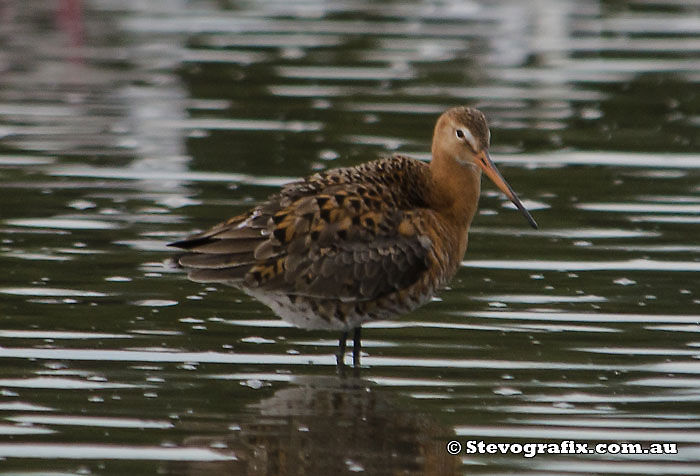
<point x="334" y="235"/>
<point x="357" y="257"/>
<point x="359" y="271"/>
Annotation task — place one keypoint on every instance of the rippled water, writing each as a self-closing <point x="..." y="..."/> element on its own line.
<point x="126" y="125"/>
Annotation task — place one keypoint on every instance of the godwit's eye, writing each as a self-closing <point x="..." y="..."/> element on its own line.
<point x="466" y="136"/>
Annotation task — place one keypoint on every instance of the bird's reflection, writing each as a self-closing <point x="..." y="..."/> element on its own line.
<point x="330" y="426"/>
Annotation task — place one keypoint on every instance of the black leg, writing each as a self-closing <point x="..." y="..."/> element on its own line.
<point x="356" y="346"/>
<point x="339" y="357"/>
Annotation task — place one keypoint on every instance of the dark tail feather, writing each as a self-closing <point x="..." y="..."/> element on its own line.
<point x="188" y="243"/>
<point x="216" y="261"/>
<point x="226" y="247"/>
<point x="226" y="275"/>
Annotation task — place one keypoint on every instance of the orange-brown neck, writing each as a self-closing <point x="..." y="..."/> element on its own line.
<point x="453" y="193"/>
<point x="455" y="189"/>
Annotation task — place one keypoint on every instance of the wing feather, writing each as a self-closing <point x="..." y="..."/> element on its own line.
<point x="351" y="234"/>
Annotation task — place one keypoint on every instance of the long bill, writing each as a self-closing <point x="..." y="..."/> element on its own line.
<point x="490" y="169"/>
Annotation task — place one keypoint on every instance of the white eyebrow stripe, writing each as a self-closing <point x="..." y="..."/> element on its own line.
<point x="469" y="137"/>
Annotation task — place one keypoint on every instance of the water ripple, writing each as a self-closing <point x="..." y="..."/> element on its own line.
<point x="96" y="422"/>
<point x="82" y="451"/>
<point x="63" y="223"/>
<point x="626" y="265"/>
<point x="54" y="292"/>
<point x="261" y="359"/>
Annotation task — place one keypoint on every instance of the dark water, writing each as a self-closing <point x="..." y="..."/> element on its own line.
<point x="126" y="125"/>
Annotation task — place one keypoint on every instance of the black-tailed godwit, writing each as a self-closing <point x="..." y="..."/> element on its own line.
<point x="357" y="244"/>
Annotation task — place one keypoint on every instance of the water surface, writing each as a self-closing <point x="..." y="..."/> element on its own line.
<point x="127" y="125"/>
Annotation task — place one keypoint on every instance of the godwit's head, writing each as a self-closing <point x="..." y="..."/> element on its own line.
<point x="462" y="134"/>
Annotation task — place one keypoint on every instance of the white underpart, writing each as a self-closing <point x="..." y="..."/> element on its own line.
<point x="301" y="315"/>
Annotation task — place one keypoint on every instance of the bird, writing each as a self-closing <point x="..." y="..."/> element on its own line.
<point x="351" y="245"/>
